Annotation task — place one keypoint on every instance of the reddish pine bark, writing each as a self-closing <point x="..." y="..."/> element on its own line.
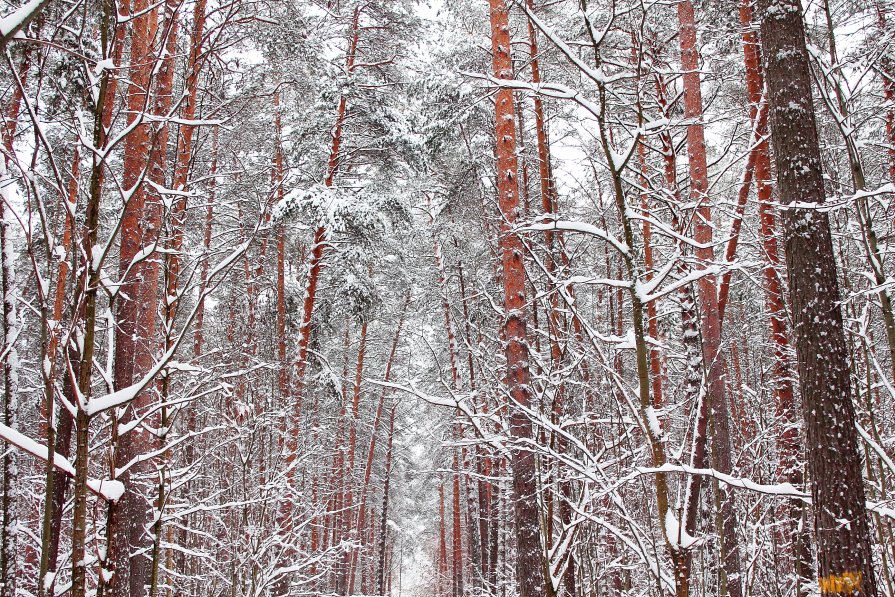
<point x="158" y="154"/>
<point x="442" y="544"/>
<point x="315" y="266"/>
<point x="198" y="335"/>
<point x="188" y="112"/>
<point x="655" y="356"/>
<point x="529" y="561"/>
<point x="371" y="451"/>
<point x="14" y="107"/>
<point x="556" y="323"/>
<point x="320" y="233"/>
<point x="456" y="529"/>
<point x="58" y="432"/>
<point x="62" y="271"/>
<point x="758" y="117"/>
<point x="716" y="392"/>
<point x="158" y="161"/>
<point x="281" y="260"/>
<point x="487" y="515"/>
<point x="888" y="77"/>
<point x="135" y="308"/>
<point x="689" y="329"/>
<point x="183" y="163"/>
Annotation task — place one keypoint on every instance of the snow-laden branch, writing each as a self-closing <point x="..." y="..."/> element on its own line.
<point x="619" y="159"/>
<point x="575" y="226"/>
<point x="166" y="119"/>
<point x="840" y="202"/>
<point x="780" y="489"/>
<point x="876" y="447"/>
<point x="596" y="75"/>
<point x="648" y="291"/>
<point x="18" y="19"/>
<point x="634" y="543"/>
<point x="551" y="90"/>
<point x="128" y="394"/>
<point x="668" y="231"/>
<point x="107" y="489"/>
<point x="496" y="441"/>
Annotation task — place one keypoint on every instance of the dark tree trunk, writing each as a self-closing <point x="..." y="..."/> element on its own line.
<point x="383" y="526"/>
<point x="834" y="465"/>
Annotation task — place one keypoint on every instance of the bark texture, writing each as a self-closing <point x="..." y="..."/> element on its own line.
<point x="841" y="529"/>
<point x="518" y="377"/>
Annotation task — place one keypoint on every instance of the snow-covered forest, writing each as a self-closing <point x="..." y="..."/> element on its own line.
<point x="447" y="298"/>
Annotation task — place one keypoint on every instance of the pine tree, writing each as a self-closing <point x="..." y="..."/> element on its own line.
<point x="842" y="535"/>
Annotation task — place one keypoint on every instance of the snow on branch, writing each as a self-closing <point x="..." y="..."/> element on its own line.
<point x="18" y="19"/>
<point x="596" y="75"/>
<point x="342" y="210"/>
<point x="839" y="202"/>
<point x="128" y="394"/>
<point x="649" y="291"/>
<point x="576" y="226"/>
<point x="108" y="489"/>
<point x="495" y="441"/>
<point x="780" y="489"/>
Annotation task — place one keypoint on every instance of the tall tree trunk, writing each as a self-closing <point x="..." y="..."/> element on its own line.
<point x="371" y="451"/>
<point x="845" y="562"/>
<point x="690" y="340"/>
<point x="556" y="323"/>
<point x="199" y="333"/>
<point x="798" y="545"/>
<point x="320" y="233"/>
<point x="9" y="500"/>
<point x="88" y="287"/>
<point x="279" y="190"/>
<point x="529" y="561"/>
<point x="112" y="36"/>
<point x="163" y="103"/>
<point x="315" y="266"/>
<point x="350" y="529"/>
<point x="887" y="74"/>
<point x="456" y="526"/>
<point x="383" y="526"/>
<point x="182" y="168"/>
<point x="135" y="307"/>
<point x="453" y="355"/>
<point x="8" y="549"/>
<point x="716" y="392"/>
<point x="56" y="482"/>
<point x="442" y="575"/>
